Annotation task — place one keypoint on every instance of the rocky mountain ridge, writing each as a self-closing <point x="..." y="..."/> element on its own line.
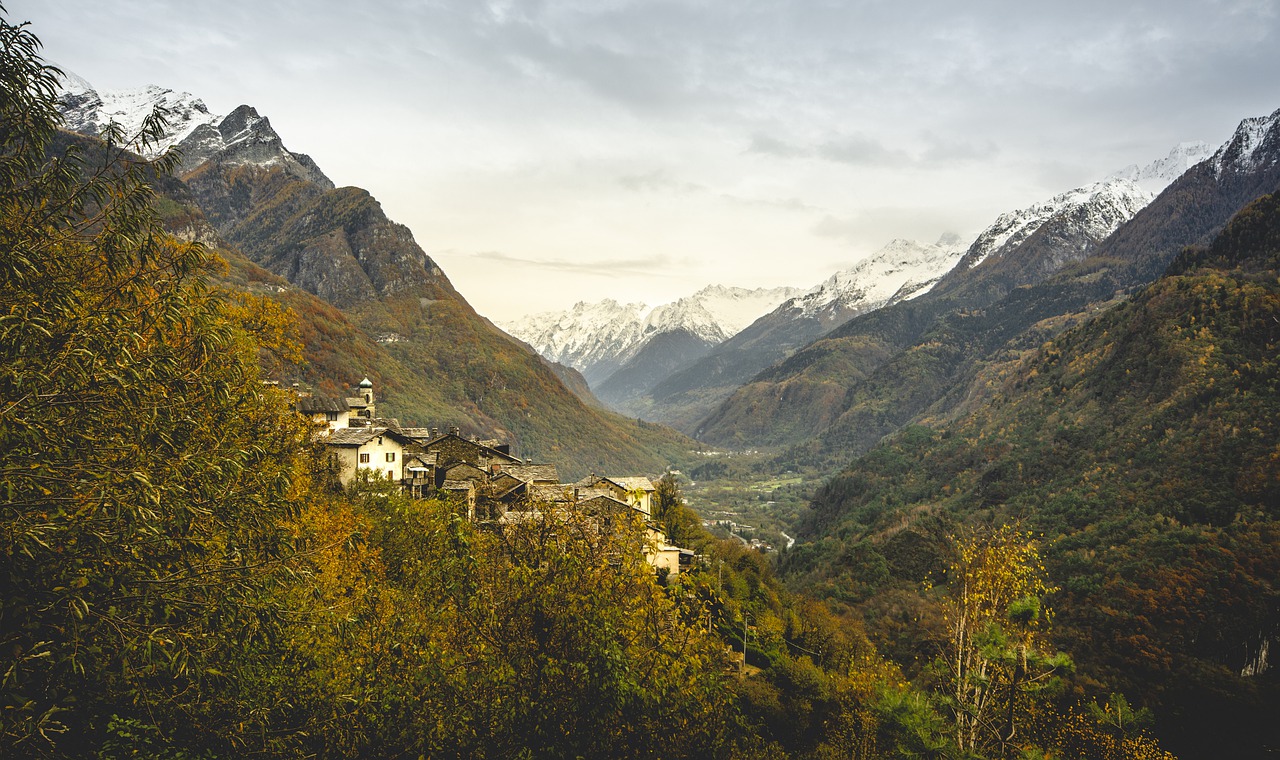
<point x="598" y="338"/>
<point x="1159" y="174"/>
<point x="880" y="370"/>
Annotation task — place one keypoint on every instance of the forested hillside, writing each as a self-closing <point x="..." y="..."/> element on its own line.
<point x="1142" y="447"/>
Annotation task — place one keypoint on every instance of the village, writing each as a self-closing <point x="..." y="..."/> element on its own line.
<point x="496" y="487"/>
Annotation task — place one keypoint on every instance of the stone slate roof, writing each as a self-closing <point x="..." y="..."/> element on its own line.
<point x="463" y="471"/>
<point x="590" y="493"/>
<point x="353" y="436"/>
<point x="458" y="485"/>
<point x="631" y="484"/>
<point x="422" y="459"/>
<point x="505" y="489"/>
<point x="359" y="436"/>
<point x="602" y="504"/>
<point x="320" y="405"/>
<point x="533" y="472"/>
<point x="558" y="493"/>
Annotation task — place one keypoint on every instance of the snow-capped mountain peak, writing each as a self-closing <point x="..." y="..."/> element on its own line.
<point x="597" y="338"/>
<point x="1159" y="174"/>
<point x="1098" y="209"/>
<point x="88" y="110"/>
<point x="1256" y="141"/>
<point x="716" y="313"/>
<point x="241" y="137"/>
<point x="900" y="270"/>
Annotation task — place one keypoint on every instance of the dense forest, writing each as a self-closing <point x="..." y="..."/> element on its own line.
<point x="183" y="577"/>
<point x="1140" y="448"/>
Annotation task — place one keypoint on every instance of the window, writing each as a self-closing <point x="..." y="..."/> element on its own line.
<point x="391" y="456"/>
<point x="391" y="474"/>
<point x="331" y="416"/>
<point x="364" y="459"/>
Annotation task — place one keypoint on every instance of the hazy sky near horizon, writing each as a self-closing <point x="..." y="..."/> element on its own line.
<point x="552" y="151"/>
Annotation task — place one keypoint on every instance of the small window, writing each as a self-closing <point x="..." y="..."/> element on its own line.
<point x="391" y="474"/>
<point x="331" y="416"/>
<point x="364" y="459"/>
<point x="391" y="456"/>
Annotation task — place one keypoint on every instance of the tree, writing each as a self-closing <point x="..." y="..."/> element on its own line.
<point x="149" y="479"/>
<point x="997" y="655"/>
<point x="680" y="524"/>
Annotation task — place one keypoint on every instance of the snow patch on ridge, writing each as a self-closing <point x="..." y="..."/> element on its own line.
<point x="1099" y="209"/>
<point x="1159" y="174"/>
<point x="901" y="270"/>
<point x="591" y="334"/>
<point x="88" y="110"/>
<point x="1256" y="141"/>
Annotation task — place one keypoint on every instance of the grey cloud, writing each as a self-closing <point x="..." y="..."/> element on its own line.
<point x="784" y="204"/>
<point x="771" y="146"/>
<point x="650" y="266"/>
<point x="658" y="180"/>
<point x="858" y="150"/>
<point x="872" y="228"/>
<point x="861" y="150"/>
<point x="948" y="150"/>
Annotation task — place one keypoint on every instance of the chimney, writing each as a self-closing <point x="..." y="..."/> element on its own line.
<point x="435" y="432"/>
<point x="453" y="431"/>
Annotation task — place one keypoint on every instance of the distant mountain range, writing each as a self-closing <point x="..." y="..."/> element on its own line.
<point x="598" y="338"/>
<point x="368" y="299"/>
<point x="628" y="352"/>
<point x="1020" y="284"/>
<point x="673" y="373"/>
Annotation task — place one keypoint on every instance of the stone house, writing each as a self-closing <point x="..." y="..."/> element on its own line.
<point x="636" y="491"/>
<point x="369" y="450"/>
<point x="327" y="413"/>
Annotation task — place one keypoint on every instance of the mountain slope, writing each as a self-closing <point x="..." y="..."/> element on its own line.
<point x="921" y="356"/>
<point x="659" y="356"/>
<point x="1142" y="446"/>
<point x="902" y="270"/>
<point x="370" y="302"/>
<point x="599" y="338"/>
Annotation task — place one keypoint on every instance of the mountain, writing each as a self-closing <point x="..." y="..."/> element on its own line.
<point x="367" y="299"/>
<point x="88" y="111"/>
<point x="1159" y="174"/>
<point x="901" y="271"/>
<point x="599" y="338"/>
<point x="593" y="338"/>
<point x="1032" y="273"/>
<point x="662" y="354"/>
<point x="1140" y="445"/>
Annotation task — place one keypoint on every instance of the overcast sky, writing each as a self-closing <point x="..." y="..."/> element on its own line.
<point x="549" y="152"/>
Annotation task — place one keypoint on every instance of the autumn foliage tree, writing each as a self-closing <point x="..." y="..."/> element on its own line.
<point x="997" y="655"/>
<point x="147" y="477"/>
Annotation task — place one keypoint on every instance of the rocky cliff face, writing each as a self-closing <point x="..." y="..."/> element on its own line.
<point x="244" y="138"/>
